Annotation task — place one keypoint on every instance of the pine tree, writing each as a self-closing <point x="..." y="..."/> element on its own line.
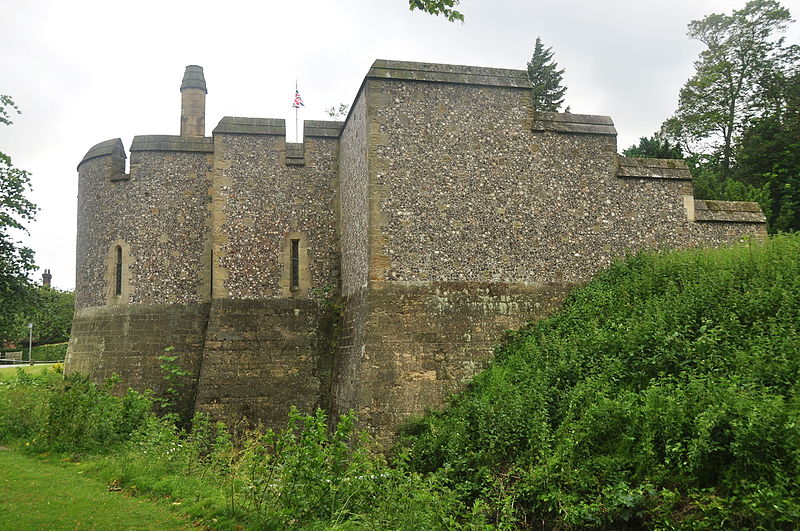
<point x="548" y="94"/>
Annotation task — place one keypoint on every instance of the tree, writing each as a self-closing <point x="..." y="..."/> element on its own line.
<point x="768" y="157"/>
<point x="51" y="315"/>
<point x="742" y="55"/>
<point x="16" y="261"/>
<point x="548" y="94"/>
<point x="438" y="7"/>
<point x="341" y="112"/>
<point x="655" y="147"/>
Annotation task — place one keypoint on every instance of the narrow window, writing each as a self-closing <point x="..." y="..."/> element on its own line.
<point x="295" y="276"/>
<point x="118" y="273"/>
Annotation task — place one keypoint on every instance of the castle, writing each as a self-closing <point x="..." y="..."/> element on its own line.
<point x="371" y="267"/>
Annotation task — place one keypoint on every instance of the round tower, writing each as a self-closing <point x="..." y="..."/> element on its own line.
<point x="193" y="102"/>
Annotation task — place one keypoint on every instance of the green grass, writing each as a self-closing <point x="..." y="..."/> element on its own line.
<point x="39" y="495"/>
<point x="9" y="371"/>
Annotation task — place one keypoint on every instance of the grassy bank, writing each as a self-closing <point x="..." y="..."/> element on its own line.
<point x="664" y="394"/>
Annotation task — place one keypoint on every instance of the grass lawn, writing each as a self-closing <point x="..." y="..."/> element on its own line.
<point x="7" y="371"/>
<point x="38" y="495"/>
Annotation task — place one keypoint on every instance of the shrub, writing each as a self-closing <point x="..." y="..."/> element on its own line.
<point x="665" y="393"/>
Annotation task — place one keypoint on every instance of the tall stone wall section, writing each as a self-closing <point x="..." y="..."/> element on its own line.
<point x="482" y="215"/>
<point x="158" y="216"/>
<point x="269" y="344"/>
<point x="354" y="240"/>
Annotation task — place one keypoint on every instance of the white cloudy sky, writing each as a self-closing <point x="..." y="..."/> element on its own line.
<point x="84" y="71"/>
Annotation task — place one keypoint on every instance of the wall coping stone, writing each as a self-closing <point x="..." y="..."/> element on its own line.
<point x="642" y="168"/>
<point x="564" y="122"/>
<point x="728" y="211"/>
<point x="251" y="126"/>
<point x="322" y="128"/>
<point x="443" y="73"/>
<point x="107" y="147"/>
<point x="190" y="144"/>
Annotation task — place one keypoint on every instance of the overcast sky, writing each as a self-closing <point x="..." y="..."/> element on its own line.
<point x="84" y="71"/>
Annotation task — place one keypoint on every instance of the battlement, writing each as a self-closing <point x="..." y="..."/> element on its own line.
<point x="560" y="122"/>
<point x="639" y="168"/>
<point x="186" y="144"/>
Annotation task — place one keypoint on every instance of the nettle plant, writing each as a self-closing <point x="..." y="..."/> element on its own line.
<point x="175" y="379"/>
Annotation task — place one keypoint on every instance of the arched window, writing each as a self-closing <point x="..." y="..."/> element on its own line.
<point x="118" y="272"/>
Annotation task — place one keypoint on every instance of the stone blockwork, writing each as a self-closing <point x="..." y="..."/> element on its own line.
<point x="127" y="340"/>
<point x="264" y="356"/>
<point x="372" y="266"/>
<point x="426" y="340"/>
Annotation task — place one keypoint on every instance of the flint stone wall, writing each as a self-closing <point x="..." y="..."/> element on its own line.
<point x="263" y="199"/>
<point x="159" y="213"/>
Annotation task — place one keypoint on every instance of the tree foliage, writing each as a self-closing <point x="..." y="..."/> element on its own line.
<point x="737" y="117"/>
<point x="438" y="7"/>
<point x="744" y="56"/>
<point x="548" y="93"/>
<point x="655" y="147"/>
<point x="16" y="260"/>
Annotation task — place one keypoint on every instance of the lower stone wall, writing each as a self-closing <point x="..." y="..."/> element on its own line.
<point x="349" y="354"/>
<point x="264" y="356"/>
<point x="425" y="341"/>
<point x="127" y="340"/>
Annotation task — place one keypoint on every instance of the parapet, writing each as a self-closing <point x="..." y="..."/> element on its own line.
<point x="460" y="74"/>
<point x="322" y="128"/>
<point x="191" y="144"/>
<point x="653" y="168"/>
<point x="728" y="211"/>
<point x="251" y="126"/>
<point x="564" y="122"/>
<point x="112" y="147"/>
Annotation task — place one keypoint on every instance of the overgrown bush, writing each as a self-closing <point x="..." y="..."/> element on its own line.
<point x="50" y="413"/>
<point x="664" y="394"/>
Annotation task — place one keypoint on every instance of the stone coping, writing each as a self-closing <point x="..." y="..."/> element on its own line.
<point x="322" y="128"/>
<point x="193" y="78"/>
<point x="564" y="122"/>
<point x="642" y="168"/>
<point x="442" y="73"/>
<point x="107" y="147"/>
<point x="192" y="144"/>
<point x="251" y="126"/>
<point x="728" y="211"/>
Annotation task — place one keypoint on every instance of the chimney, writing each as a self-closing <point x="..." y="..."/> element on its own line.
<point x="46" y="278"/>
<point x="193" y="102"/>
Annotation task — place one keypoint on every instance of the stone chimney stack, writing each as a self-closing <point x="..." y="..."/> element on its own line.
<point x="46" y="278"/>
<point x="193" y="102"/>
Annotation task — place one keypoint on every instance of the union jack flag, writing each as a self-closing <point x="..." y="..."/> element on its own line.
<point x="298" y="101"/>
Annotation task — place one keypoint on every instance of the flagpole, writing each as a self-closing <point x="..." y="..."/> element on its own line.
<point x="296" y="119"/>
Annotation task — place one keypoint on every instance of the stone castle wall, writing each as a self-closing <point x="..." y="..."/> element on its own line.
<point x="443" y="212"/>
<point x="266" y="193"/>
<point x="158" y="213"/>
